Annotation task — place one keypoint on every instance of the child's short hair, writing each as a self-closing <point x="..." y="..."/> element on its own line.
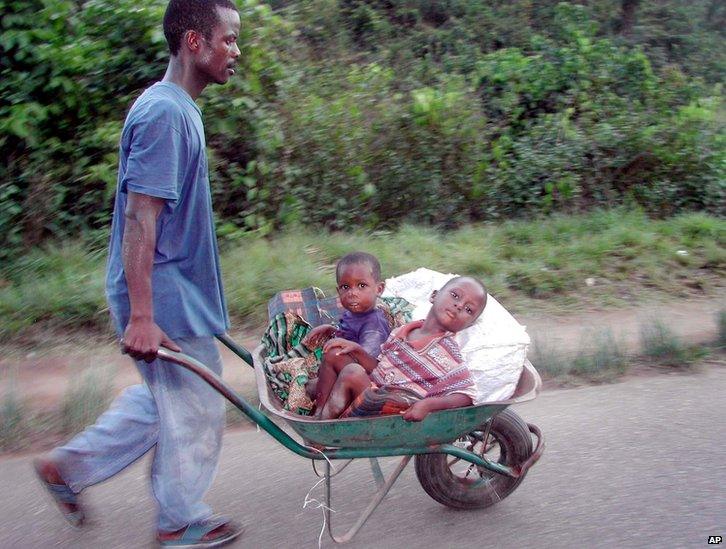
<point x="356" y="258"/>
<point x="476" y="281"/>
<point x="472" y="278"/>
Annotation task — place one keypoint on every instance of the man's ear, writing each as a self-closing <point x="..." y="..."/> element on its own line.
<point x="433" y="295"/>
<point x="193" y="40"/>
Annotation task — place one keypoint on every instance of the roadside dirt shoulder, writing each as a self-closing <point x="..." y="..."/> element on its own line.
<point x="693" y="321"/>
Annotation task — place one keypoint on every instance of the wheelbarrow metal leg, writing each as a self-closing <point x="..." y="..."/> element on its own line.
<point x="334" y="472"/>
<point x="375" y="501"/>
<point x="377" y="473"/>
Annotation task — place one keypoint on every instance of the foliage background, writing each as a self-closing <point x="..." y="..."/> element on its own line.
<point x="374" y="113"/>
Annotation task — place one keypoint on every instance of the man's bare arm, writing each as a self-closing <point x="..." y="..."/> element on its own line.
<point x="142" y="336"/>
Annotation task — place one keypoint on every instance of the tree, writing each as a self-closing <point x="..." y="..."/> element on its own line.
<point x="628" y="10"/>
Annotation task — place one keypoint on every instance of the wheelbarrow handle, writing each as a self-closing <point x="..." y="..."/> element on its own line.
<point x="236" y="348"/>
<point x="222" y="387"/>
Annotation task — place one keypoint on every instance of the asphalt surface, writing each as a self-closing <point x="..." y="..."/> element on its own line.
<point x="640" y="463"/>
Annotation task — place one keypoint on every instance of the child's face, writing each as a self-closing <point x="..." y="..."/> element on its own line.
<point x="357" y="288"/>
<point x="457" y="305"/>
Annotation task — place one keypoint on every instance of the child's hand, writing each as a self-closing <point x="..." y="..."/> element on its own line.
<point x="417" y="412"/>
<point x="318" y="336"/>
<point x="340" y="346"/>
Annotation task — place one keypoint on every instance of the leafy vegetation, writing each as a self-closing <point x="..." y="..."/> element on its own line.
<point x="371" y="114"/>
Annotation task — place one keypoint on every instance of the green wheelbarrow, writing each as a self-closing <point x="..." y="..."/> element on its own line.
<point x="465" y="458"/>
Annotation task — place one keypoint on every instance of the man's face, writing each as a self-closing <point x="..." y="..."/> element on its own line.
<point x="218" y="55"/>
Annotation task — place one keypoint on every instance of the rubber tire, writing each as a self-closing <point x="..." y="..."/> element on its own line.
<point x="444" y="486"/>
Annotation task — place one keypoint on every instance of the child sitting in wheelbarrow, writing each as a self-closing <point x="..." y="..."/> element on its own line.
<point x="359" y="285"/>
<point x="419" y="370"/>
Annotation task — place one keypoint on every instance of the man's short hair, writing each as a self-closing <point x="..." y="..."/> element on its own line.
<point x="197" y="15"/>
<point x="357" y="258"/>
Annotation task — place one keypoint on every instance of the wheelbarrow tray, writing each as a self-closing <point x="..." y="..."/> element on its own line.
<point x="392" y="431"/>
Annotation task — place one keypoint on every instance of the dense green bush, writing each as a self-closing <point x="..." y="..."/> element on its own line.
<point x="69" y="73"/>
<point x="358" y="152"/>
<point x="567" y="123"/>
<point x="584" y="121"/>
<point x="689" y="34"/>
<point x="367" y="113"/>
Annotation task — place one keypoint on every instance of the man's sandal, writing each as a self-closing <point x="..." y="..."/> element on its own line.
<point x="213" y="532"/>
<point x="66" y="500"/>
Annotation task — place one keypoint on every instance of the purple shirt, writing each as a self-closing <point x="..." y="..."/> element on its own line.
<point x="369" y="330"/>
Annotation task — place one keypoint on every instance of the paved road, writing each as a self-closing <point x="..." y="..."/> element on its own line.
<point x="636" y="464"/>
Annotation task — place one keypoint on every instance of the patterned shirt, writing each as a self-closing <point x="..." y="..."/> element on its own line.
<point x="433" y="369"/>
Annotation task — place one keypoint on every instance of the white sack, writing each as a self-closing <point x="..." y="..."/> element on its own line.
<point x="494" y="348"/>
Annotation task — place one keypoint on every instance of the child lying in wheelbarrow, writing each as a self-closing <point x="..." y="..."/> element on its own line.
<point x="420" y="369"/>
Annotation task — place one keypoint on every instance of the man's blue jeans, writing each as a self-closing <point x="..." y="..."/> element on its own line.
<point x="175" y="412"/>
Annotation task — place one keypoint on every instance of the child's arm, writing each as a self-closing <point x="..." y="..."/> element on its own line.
<point x="318" y="336"/>
<point x="340" y="346"/>
<point x="419" y="410"/>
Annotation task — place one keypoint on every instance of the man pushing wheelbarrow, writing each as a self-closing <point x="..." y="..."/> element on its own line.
<point x="164" y="289"/>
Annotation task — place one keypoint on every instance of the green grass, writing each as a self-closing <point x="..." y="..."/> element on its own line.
<point x="538" y="265"/>
<point x="548" y="359"/>
<point x="664" y="347"/>
<point x="601" y="358"/>
<point x="87" y="397"/>
<point x="721" y="319"/>
<point x="14" y="420"/>
<point x="53" y="287"/>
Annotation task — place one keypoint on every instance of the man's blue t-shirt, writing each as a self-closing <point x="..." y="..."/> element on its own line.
<point x="163" y="154"/>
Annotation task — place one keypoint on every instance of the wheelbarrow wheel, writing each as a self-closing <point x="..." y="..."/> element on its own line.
<point x="457" y="483"/>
